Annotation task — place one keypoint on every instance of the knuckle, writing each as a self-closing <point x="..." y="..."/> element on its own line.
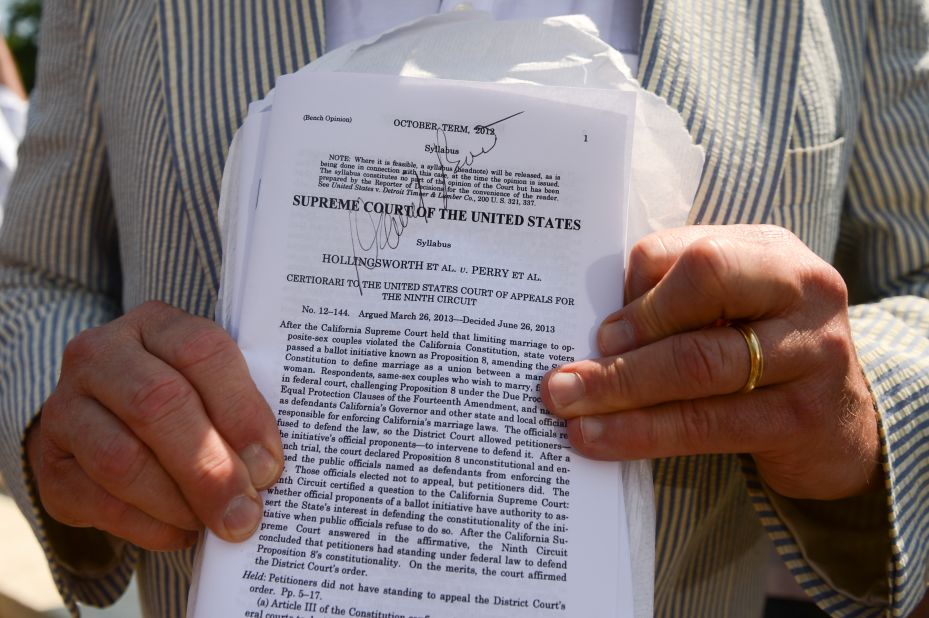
<point x="615" y="382"/>
<point x="162" y="396"/>
<point x="83" y="348"/>
<point x="61" y="510"/>
<point x="648" y="438"/>
<point x="242" y="411"/>
<point x="649" y="260"/>
<point x="153" y="308"/>
<point x="697" y="358"/>
<point x="798" y="416"/>
<point x="648" y="322"/>
<point x="709" y="266"/>
<point x="697" y="426"/>
<point x="791" y="292"/>
<point x="52" y="473"/>
<point x="638" y="256"/>
<point x="55" y="499"/>
<point x="120" y="460"/>
<point x="55" y="405"/>
<point x="212" y="469"/>
<point x="835" y="346"/>
<point x="207" y="346"/>
<point x="646" y="251"/>
<point x="111" y="510"/>
<point x="827" y="284"/>
<point x="152" y="315"/>
<point x="777" y="233"/>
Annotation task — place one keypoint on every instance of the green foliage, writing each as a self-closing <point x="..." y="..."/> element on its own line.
<point x="21" y="34"/>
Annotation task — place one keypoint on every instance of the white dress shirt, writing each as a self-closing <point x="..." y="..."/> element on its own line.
<point x="617" y="20"/>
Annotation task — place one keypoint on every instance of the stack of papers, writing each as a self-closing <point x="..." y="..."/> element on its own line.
<point x="404" y="258"/>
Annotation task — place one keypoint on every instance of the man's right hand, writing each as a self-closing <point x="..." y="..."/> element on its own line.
<point x="155" y="429"/>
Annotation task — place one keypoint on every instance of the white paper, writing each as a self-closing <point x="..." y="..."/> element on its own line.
<point x="452" y="276"/>
<point x="666" y="166"/>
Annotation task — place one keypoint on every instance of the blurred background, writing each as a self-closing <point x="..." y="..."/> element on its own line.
<point x="19" y="20"/>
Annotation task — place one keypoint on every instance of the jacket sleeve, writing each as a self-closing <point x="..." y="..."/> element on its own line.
<point x="59" y="274"/>
<point x="868" y="555"/>
<point x="888" y="234"/>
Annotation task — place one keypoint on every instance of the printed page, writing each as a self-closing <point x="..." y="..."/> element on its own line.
<point x="422" y="252"/>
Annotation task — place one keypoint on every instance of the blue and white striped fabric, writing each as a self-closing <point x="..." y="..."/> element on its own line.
<point x="814" y="115"/>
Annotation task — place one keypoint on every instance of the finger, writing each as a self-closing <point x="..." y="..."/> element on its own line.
<point x="771" y="425"/>
<point x="715" y="279"/>
<point x="650" y="259"/>
<point x="162" y="408"/>
<point x="210" y="360"/>
<point x="693" y="365"/>
<point x="730" y="424"/>
<point x="120" y="463"/>
<point x="72" y="498"/>
<point x="652" y="256"/>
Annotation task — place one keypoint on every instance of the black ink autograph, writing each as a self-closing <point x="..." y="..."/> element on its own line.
<point x="383" y="231"/>
<point x="468" y="159"/>
<point x="482" y="127"/>
<point x="377" y="232"/>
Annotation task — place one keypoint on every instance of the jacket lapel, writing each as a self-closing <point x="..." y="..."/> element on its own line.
<point x="217" y="57"/>
<point x="730" y="68"/>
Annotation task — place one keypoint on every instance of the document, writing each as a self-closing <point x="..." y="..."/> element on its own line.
<point x="420" y="252"/>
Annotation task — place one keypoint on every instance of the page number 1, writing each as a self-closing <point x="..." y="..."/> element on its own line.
<point x="585" y="138"/>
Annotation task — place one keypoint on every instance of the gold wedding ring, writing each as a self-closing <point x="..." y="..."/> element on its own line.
<point x="755" y="357"/>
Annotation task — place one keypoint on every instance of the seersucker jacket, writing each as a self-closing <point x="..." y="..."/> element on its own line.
<point x="814" y="115"/>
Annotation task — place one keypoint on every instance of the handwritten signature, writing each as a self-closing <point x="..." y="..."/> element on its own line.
<point x="376" y="233"/>
<point x="468" y="159"/>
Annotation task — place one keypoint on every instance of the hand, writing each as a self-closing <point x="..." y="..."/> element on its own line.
<point x="154" y="429"/>
<point x="672" y="370"/>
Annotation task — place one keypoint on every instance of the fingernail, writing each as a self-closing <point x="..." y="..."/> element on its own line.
<point x="263" y="468"/>
<point x="565" y="388"/>
<point x="591" y="428"/>
<point x="616" y="337"/>
<point x="242" y="517"/>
